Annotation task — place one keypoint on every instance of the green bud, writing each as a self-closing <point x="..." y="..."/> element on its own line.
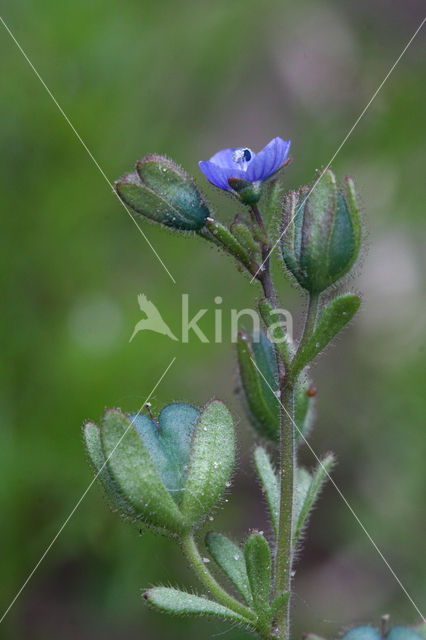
<point x="259" y="378"/>
<point x="162" y="191"/>
<point x="167" y="473"/>
<point x="322" y="232"/>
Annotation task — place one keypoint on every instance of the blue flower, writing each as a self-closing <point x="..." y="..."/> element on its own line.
<point x="243" y="164"/>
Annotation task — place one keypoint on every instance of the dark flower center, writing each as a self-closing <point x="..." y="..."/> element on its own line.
<point x="242" y="157"/>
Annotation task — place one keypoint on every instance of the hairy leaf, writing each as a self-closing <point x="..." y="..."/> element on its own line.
<point x="270" y="484"/>
<point x="334" y="317"/>
<point x="312" y="491"/>
<point x="231" y="560"/>
<point x="181" y="603"/>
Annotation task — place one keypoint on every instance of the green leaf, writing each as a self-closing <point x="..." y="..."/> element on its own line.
<point x="258" y="562"/>
<point x="276" y="334"/>
<point x="334" y="317"/>
<point x="301" y="489"/>
<point x="212" y="460"/>
<point x="134" y="474"/>
<point x="93" y="444"/>
<point x="181" y="603"/>
<point x="231" y="560"/>
<point x="306" y="489"/>
<point x="270" y="484"/>
<point x="311" y="491"/>
<point x="263" y="410"/>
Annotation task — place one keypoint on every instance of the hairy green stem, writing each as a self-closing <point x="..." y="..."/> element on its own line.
<point x="264" y="275"/>
<point x="192" y="553"/>
<point x="284" y="551"/>
<point x="311" y="318"/>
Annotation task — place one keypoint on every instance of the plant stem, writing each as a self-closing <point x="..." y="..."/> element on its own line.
<point x="311" y="318"/>
<point x="192" y="553"/>
<point x="264" y="275"/>
<point x="284" y="552"/>
<point x="284" y="549"/>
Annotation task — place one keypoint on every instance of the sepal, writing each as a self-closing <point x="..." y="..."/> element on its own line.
<point x="211" y="461"/>
<point x="246" y="192"/>
<point x="135" y="476"/>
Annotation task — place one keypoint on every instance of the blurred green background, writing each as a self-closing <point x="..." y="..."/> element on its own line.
<point x="187" y="78"/>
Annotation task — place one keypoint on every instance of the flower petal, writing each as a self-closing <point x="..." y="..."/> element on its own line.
<point x="224" y="158"/>
<point x="215" y="174"/>
<point x="269" y="160"/>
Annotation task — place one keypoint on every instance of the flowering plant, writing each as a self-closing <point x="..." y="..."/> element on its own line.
<point x="170" y="472"/>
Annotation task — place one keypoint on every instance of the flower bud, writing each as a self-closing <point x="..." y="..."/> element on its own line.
<point x="259" y="378"/>
<point x="167" y="473"/>
<point x="162" y="191"/>
<point x="322" y="232"/>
